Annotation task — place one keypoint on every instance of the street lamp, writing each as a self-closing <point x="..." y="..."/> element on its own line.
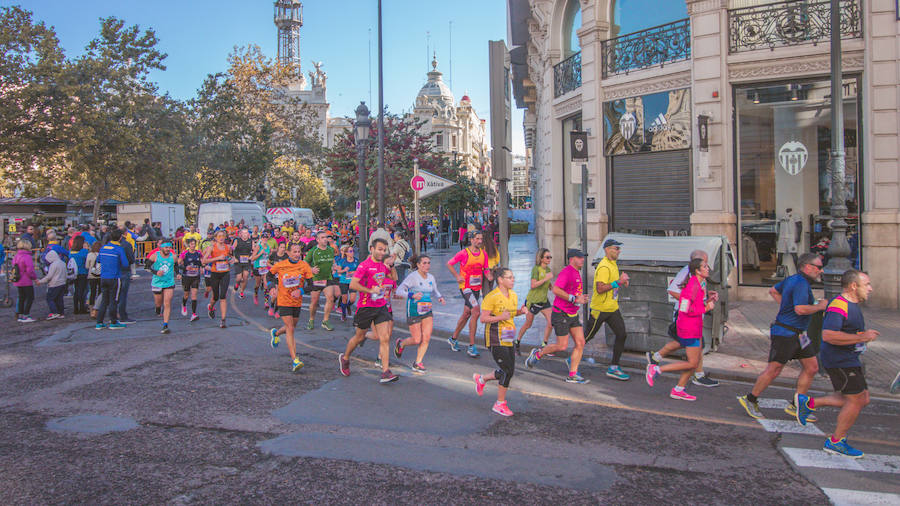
<point x="361" y="134"/>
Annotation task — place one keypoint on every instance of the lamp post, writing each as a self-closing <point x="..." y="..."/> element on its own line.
<point x="361" y="135"/>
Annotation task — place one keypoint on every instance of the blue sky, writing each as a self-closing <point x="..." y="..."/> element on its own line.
<point x="198" y="35"/>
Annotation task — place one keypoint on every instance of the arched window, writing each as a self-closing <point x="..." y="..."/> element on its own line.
<point x="571" y="24"/>
<point x="631" y="16"/>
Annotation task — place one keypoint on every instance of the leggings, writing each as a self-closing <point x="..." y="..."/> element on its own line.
<point x="616" y="323"/>
<point x="94" y="284"/>
<point x="505" y="356"/>
<point x="80" y="296"/>
<point x="219" y="282"/>
<point x="25" y="300"/>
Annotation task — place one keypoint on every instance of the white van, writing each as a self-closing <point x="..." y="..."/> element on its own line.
<point x="171" y="216"/>
<point x="218" y="213"/>
<point x="301" y="215"/>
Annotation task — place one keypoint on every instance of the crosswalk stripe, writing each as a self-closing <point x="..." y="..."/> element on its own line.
<point x="789" y="426"/>
<point x="844" y="497"/>
<point x="773" y="403"/>
<point x="872" y="463"/>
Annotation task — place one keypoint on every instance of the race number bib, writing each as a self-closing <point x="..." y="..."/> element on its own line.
<point x="221" y="266"/>
<point x="263" y="262"/>
<point x="191" y="271"/>
<point x="804" y="340"/>
<point x="320" y="282"/>
<point x="474" y="281"/>
<point x="423" y="308"/>
<point x="290" y="281"/>
<point x="262" y="270"/>
<point x="164" y="269"/>
<point x="244" y="259"/>
<point x="507" y="336"/>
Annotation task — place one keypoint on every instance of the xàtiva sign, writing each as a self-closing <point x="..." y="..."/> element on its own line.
<point x="427" y="184"/>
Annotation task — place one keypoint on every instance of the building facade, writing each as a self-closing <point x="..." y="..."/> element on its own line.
<point x="520" y="190"/>
<point x="713" y="117"/>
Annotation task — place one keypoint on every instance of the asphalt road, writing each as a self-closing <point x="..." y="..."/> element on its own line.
<point x="210" y="416"/>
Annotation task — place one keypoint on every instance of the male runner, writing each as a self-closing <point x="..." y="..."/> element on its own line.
<point x="844" y="338"/>
<point x="191" y="262"/>
<point x="321" y="259"/>
<point x="242" y="248"/>
<point x="473" y="266"/>
<point x="191" y="234"/>
<point x="371" y="309"/>
<point x="569" y="293"/>
<point x="162" y="264"/>
<point x="605" y="305"/>
<point x="788" y="333"/>
<point x="291" y="274"/>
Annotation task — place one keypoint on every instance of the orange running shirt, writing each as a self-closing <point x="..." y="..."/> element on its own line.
<point x="291" y="276"/>
<point x="220" y="265"/>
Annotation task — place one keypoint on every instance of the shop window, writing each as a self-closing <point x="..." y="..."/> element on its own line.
<point x="784" y="175"/>
<point x="571" y="24"/>
<point x="631" y="16"/>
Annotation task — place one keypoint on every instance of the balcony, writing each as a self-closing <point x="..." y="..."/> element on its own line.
<point x="567" y="75"/>
<point x="654" y="46"/>
<point x="789" y="24"/>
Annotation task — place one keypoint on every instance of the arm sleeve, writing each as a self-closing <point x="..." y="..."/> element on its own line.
<point x="437" y="292"/>
<point x="403" y="287"/>
<point x="307" y="271"/>
<point x="675" y="285"/>
<point x="779" y="287"/>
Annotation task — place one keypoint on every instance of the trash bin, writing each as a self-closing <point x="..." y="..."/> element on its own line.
<point x="652" y="263"/>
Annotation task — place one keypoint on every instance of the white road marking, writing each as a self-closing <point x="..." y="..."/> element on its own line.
<point x="773" y="403"/>
<point x="789" y="426"/>
<point x="844" y="497"/>
<point x="870" y="462"/>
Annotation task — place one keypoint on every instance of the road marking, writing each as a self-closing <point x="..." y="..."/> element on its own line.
<point x="844" y="497"/>
<point x="773" y="403"/>
<point x="871" y="462"/>
<point x="789" y="426"/>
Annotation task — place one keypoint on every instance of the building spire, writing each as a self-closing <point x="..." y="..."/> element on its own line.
<point x="434" y="62"/>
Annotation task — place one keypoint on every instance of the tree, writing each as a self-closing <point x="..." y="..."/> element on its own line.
<point x="287" y="174"/>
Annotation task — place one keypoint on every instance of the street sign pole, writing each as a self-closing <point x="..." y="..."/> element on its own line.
<point x="580" y="154"/>
<point x="416" y="209"/>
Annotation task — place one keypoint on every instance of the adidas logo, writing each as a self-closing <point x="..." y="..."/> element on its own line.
<point x="659" y="124"/>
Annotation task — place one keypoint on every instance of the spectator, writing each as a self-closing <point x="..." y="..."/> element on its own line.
<point x="28" y="235"/>
<point x="125" y="276"/>
<point x="23" y="262"/>
<point x="56" y="285"/>
<point x="79" y="255"/>
<point x="93" y="277"/>
<point x="53" y="245"/>
<point x="113" y="262"/>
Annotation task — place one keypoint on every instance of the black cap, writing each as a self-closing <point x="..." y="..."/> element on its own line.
<point x="611" y="242"/>
<point x="574" y="253"/>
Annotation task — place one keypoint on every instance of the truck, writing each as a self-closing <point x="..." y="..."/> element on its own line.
<point x="171" y="216"/>
<point x="219" y="213"/>
<point x="301" y="215"/>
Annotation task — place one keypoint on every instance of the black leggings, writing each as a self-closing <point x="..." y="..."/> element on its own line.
<point x="25" y="300"/>
<point x="505" y="356"/>
<point x="616" y="323"/>
<point x="94" y="284"/>
<point x="219" y="282"/>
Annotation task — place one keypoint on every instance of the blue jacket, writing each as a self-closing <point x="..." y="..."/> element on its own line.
<point x="80" y="258"/>
<point x="129" y="255"/>
<point x="112" y="260"/>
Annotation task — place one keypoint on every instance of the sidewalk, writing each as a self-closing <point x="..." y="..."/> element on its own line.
<point x="741" y="357"/>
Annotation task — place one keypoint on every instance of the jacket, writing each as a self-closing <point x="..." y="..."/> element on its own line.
<point x="80" y="258"/>
<point x="113" y="260"/>
<point x="25" y="261"/>
<point x="128" y="249"/>
<point x="89" y="262"/>
<point x="56" y="273"/>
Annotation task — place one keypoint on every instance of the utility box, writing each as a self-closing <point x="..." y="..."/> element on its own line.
<point x="171" y="216"/>
<point x="652" y="263"/>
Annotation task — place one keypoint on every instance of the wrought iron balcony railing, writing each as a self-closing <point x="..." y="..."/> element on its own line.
<point x="654" y="46"/>
<point x="567" y="75"/>
<point x="790" y="23"/>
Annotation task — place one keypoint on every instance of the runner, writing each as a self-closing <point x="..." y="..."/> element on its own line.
<point x="692" y="305"/>
<point x="345" y="267"/>
<point x="368" y="281"/>
<point x="242" y="249"/>
<point x="788" y="333"/>
<point x="207" y="271"/>
<point x="162" y="264"/>
<point x="537" y="300"/>
<point x="218" y="256"/>
<point x="569" y="293"/>
<point x="605" y="305"/>
<point x="291" y="274"/>
<point x="417" y="289"/>
<point x="260" y="261"/>
<point x="472" y="268"/>
<point x="497" y="312"/>
<point x="390" y="288"/>
<point x="191" y="262"/>
<point x="844" y="338"/>
<point x="321" y="258"/>
<point x="699" y="378"/>
<point x="192" y="234"/>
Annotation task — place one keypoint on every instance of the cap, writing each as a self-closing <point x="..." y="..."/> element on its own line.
<point x="574" y="253"/>
<point x="611" y="242"/>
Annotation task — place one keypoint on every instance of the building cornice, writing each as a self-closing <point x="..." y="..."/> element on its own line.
<point x="646" y="86"/>
<point x="794" y="67"/>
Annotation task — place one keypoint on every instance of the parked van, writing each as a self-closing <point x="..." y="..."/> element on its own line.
<point x="171" y="216"/>
<point x="301" y="215"/>
<point x="218" y="213"/>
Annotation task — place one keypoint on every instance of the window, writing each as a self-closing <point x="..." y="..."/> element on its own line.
<point x="439" y="140"/>
<point x="631" y="16"/>
<point x="571" y="24"/>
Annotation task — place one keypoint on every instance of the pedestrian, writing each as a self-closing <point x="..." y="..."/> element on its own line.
<point x="23" y="277"/>
<point x="538" y="300"/>
<point x="844" y="338"/>
<point x="79" y="256"/>
<point x="242" y="249"/>
<point x="498" y="309"/>
<point x="93" y="277"/>
<point x="113" y="267"/>
<point x="569" y="292"/>
<point x="473" y="262"/>
<point x="56" y="285"/>
<point x="28" y="235"/>
<point x="278" y="255"/>
<point x="291" y="275"/>
<point x="788" y="333"/>
<point x="692" y="305"/>
<point x="420" y="290"/>
<point x="675" y="286"/>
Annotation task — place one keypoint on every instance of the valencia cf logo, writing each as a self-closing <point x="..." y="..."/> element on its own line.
<point x="627" y="125"/>
<point x="793" y="156"/>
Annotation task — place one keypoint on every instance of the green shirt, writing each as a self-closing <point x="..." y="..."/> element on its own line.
<point x="323" y="259"/>
<point x="539" y="294"/>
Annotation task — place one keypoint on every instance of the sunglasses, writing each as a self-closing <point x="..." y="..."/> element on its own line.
<point x="547" y="256"/>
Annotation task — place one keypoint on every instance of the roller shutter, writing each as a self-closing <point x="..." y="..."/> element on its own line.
<point x="651" y="192"/>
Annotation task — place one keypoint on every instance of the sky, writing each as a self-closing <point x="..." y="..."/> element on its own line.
<point x="198" y="35"/>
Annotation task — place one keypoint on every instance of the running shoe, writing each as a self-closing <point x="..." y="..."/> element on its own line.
<point x="183" y="310"/>
<point x="752" y="408"/>
<point x="473" y="351"/>
<point x="255" y="299"/>
<point x="479" y="383"/>
<point x="398" y="350"/>
<point x="576" y="378"/>
<point x="210" y="311"/>
<point x="419" y="368"/>
<point x="165" y="329"/>
<point x="344" y="365"/>
<point x="802" y="409"/>
<point x="454" y="344"/>
<point x="681" y="395"/>
<point x="271" y="312"/>
<point x="241" y="295"/>
<point x="650" y="359"/>
<point x="388" y="377"/>
<point x="842" y="448"/>
<point x="615" y="372"/>
<point x="277" y="316"/>
<point x="194" y="317"/>
<point x="791" y="409"/>
<point x="236" y="285"/>
<point x="222" y="324"/>
<point x="895" y="385"/>
<point x="327" y="325"/>
<point x="502" y="409"/>
<point x="652" y="373"/>
<point x="518" y="351"/>
<point x="296" y="365"/>
<point x="26" y="319"/>
<point x="53" y="316"/>
<point x="532" y="358"/>
<point x="99" y="326"/>
<point x="704" y="381"/>
<point x="273" y="338"/>
<point x="568" y="363"/>
<point x="310" y="325"/>
<point x="126" y="321"/>
<point x="378" y="360"/>
<point x="116" y="326"/>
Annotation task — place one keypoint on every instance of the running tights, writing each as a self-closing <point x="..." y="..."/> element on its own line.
<point x="616" y="324"/>
<point x="219" y="282"/>
<point x="505" y="356"/>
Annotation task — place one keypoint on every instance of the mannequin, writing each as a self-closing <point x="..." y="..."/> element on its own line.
<point x="789" y="231"/>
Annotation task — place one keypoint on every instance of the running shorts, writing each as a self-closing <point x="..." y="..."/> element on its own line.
<point x="310" y="287"/>
<point x="240" y="268"/>
<point x="159" y="289"/>
<point x="536" y="307"/>
<point x="411" y="320"/>
<point x="847" y="380"/>
<point x="367" y="316"/>
<point x="784" y="349"/>
<point x="292" y="311"/>
<point x="471" y="298"/>
<point x="190" y="282"/>
<point x="219" y="282"/>
<point x="345" y="288"/>
<point x="562" y="322"/>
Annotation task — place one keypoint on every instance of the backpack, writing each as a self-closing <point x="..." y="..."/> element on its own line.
<point x="16" y="275"/>
<point x="71" y="269"/>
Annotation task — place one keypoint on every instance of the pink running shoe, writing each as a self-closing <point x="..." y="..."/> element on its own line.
<point x="183" y="310"/>
<point x="682" y="395"/>
<point x="652" y="373"/>
<point x="271" y="313"/>
<point x="255" y="300"/>
<point x="345" y="365"/>
<point x="479" y="384"/>
<point x="502" y="409"/>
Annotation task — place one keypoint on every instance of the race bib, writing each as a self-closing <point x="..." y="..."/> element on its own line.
<point x="263" y="262"/>
<point x="320" y="282"/>
<point x="859" y="347"/>
<point x="290" y="281"/>
<point x="263" y="270"/>
<point x="206" y="272"/>
<point x="474" y="281"/>
<point x="221" y="266"/>
<point x="244" y="259"/>
<point x="423" y="307"/>
<point x="379" y="295"/>
<point x="804" y="340"/>
<point x="684" y="306"/>
<point x="164" y="269"/>
<point x="156" y="289"/>
<point x="191" y="271"/>
<point x="507" y="335"/>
